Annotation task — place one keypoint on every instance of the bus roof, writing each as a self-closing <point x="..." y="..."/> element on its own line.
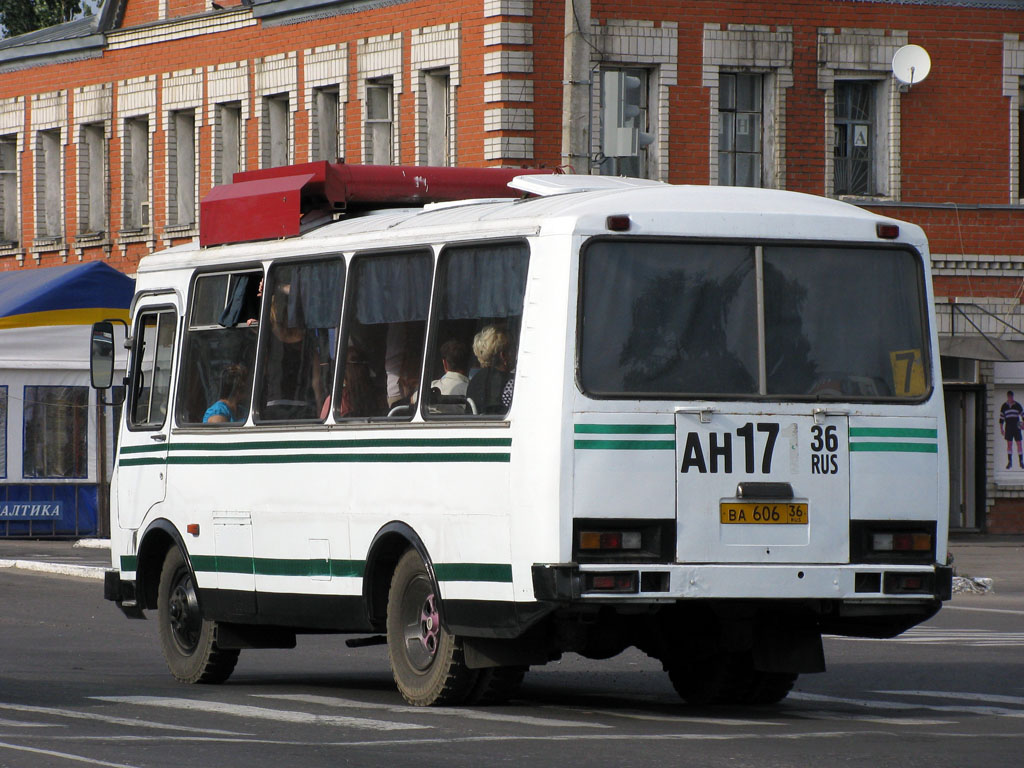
<point x="652" y="209"/>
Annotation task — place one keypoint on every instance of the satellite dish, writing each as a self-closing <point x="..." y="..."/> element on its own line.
<point x="911" y="64"/>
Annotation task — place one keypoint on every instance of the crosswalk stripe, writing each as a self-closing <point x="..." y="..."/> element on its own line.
<point x="908" y="705"/>
<point x="977" y="638"/>
<point x="261" y="713"/>
<point x="110" y="719"/>
<point x="465" y="714"/>
<point x="992" y="698"/>
<point x="62" y="755"/>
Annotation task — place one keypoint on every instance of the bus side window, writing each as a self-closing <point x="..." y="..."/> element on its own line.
<point x="220" y="349"/>
<point x="151" y="369"/>
<point x="299" y="340"/>
<point x="479" y="308"/>
<point x="386" y="318"/>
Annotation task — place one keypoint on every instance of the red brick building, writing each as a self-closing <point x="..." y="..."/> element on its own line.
<point x="113" y="127"/>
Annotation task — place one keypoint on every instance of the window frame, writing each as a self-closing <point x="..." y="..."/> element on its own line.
<point x="276" y="117"/>
<point x="732" y="154"/>
<point x="609" y="165"/>
<point x="137" y="213"/>
<point x="349" y="303"/>
<point x="260" y="363"/>
<point x="93" y="208"/>
<point x="136" y="364"/>
<point x="385" y="83"/>
<point x="10" y="223"/>
<point x="182" y="151"/>
<point x="82" y="456"/>
<point x="186" y="329"/>
<point x="433" y="342"/>
<point x="756" y="397"/>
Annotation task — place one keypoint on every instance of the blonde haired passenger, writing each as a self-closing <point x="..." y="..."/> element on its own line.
<point x="493" y="348"/>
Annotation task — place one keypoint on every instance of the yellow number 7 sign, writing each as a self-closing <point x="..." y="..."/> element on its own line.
<point x="908" y="378"/>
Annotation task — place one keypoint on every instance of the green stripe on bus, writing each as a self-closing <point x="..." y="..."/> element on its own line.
<point x="626" y="445"/>
<point x="155" y="447"/>
<point x="493" y="572"/>
<point x="895" y="447"/>
<point x="625" y="429"/>
<point x="328" y="458"/>
<point x="892" y="432"/>
<point x="410" y="442"/>
<point x="262" y="566"/>
<point x="344" y="458"/>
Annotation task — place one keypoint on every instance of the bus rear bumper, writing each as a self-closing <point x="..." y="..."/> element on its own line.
<point x="855" y="583"/>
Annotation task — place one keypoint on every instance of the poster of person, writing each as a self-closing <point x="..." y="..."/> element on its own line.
<point x="1008" y="435"/>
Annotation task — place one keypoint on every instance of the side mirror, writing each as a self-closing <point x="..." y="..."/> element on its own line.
<point x="101" y="358"/>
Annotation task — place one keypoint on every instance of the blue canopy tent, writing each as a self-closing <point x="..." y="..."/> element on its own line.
<point x="49" y="424"/>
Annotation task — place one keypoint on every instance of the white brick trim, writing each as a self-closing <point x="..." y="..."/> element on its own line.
<point x="180" y="29"/>
<point x="325" y="67"/>
<point x="625" y="42"/>
<point x="862" y="54"/>
<point x="758" y="49"/>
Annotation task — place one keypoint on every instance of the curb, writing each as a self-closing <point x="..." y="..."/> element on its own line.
<point x="60" y="569"/>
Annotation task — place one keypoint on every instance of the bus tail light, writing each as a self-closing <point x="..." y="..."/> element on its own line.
<point x="623" y="541"/>
<point x="901" y="542"/>
<point x="892" y="541"/>
<point x="624" y="582"/>
<point x="610" y="540"/>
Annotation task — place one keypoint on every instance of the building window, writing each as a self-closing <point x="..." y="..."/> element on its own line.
<point x="1020" y="147"/>
<point x="625" y="125"/>
<point x="855" y="131"/>
<point x="181" y="162"/>
<point x="740" y="130"/>
<point x="56" y="432"/>
<point x="136" y="173"/>
<point x="228" y="141"/>
<point x="49" y="208"/>
<point x="438" y="93"/>
<point x="325" y="124"/>
<point x="92" y="157"/>
<point x="9" y="232"/>
<point x="380" y="120"/>
<point x="276" y="139"/>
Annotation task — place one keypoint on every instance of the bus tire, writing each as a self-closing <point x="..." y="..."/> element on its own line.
<point x="188" y="641"/>
<point x="427" y="661"/>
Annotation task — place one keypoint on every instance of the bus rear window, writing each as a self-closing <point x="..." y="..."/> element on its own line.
<point x="664" y="320"/>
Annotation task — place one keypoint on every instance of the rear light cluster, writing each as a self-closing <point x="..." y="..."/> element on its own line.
<point x="611" y="582"/>
<point x="901" y="542"/>
<point x="623" y="541"/>
<point x="610" y="540"/>
<point x="892" y="541"/>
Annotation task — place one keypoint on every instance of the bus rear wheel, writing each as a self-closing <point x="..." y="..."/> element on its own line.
<point x="188" y="641"/>
<point x="427" y="661"/>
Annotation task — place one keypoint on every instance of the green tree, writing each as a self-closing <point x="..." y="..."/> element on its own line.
<point x="21" y="16"/>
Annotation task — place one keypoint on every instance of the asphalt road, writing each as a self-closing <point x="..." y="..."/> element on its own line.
<point x="82" y="685"/>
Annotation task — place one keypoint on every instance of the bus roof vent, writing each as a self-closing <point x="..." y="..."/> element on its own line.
<point x="563" y="184"/>
<point x="281" y="202"/>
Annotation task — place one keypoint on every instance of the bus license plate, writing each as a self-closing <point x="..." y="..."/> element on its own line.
<point x="755" y="513"/>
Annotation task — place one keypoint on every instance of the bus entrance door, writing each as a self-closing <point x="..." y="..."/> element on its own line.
<point x="142" y="455"/>
<point x="758" y="488"/>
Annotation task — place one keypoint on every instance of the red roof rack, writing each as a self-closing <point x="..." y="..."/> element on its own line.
<point x="274" y="202"/>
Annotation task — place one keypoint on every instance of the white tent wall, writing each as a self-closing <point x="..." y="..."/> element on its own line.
<point x="47" y="356"/>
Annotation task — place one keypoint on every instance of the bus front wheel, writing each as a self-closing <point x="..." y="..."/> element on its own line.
<point x="188" y="641"/>
<point x="427" y="661"/>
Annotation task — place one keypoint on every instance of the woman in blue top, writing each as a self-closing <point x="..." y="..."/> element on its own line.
<point x="233" y="387"/>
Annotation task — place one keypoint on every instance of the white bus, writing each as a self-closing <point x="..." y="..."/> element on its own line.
<point x="703" y="421"/>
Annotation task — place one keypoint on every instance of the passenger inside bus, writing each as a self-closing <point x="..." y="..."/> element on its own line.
<point x="493" y="348"/>
<point x="455" y="361"/>
<point x="233" y="389"/>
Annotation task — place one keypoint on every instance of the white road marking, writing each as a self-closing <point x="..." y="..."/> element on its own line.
<point x="63" y="755"/>
<point x="632" y="715"/>
<point x="261" y="713"/>
<point x="465" y="714"/>
<point x="5" y="723"/>
<point x="111" y="719"/>
<point x="992" y="698"/>
<point x="909" y="705"/>
<point x="975" y="638"/>
<point x="982" y="610"/>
